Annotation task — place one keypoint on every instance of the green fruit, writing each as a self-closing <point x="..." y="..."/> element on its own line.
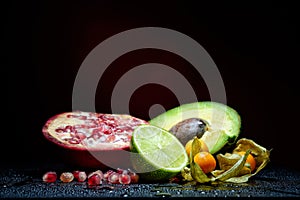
<point x="157" y="155"/>
<point x="223" y="122"/>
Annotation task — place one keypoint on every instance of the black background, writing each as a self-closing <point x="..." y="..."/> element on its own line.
<point x="254" y="46"/>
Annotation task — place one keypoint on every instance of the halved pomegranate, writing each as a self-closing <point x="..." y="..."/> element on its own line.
<point x="93" y="139"/>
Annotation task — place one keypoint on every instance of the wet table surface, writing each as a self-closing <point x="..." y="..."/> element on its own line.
<point x="272" y="181"/>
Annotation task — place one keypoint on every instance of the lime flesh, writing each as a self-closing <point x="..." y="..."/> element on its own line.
<point x="156" y="153"/>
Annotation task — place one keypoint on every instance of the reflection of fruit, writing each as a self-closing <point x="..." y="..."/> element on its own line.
<point x="206" y="161"/>
<point x="250" y="162"/>
<point x="188" y="129"/>
<point x="188" y="146"/>
<point x="223" y="122"/>
<point x="82" y="133"/>
<point x="157" y="154"/>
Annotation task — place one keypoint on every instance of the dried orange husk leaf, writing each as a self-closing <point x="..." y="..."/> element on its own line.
<point x="261" y="156"/>
<point x="235" y="169"/>
<point x="227" y="160"/>
<point x="217" y="172"/>
<point x="186" y="174"/>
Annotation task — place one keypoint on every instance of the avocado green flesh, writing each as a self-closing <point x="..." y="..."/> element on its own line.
<point x="220" y="117"/>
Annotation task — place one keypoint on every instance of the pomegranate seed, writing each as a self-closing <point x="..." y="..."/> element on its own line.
<point x="80" y="136"/>
<point x="95" y="136"/>
<point x="107" y="131"/>
<point x="99" y="172"/>
<point x="124" y="179"/>
<point x="49" y="177"/>
<point x="80" y="176"/>
<point x="74" y="141"/>
<point x="96" y="132"/>
<point x="134" y="177"/>
<point x="66" y="177"/>
<point x="113" y="178"/>
<point x="75" y="174"/>
<point x="94" y="179"/>
<point x="59" y="130"/>
<point x="120" y="170"/>
<point x="175" y="180"/>
<point x="107" y="174"/>
<point x="110" y="138"/>
<point x="69" y="128"/>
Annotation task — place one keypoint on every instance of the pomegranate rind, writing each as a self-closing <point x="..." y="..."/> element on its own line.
<point x="112" y="122"/>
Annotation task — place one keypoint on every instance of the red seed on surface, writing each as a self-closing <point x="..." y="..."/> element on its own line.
<point x="107" y="174"/>
<point x="81" y="176"/>
<point x="113" y="178"/>
<point x="49" y="177"/>
<point x="134" y="177"/>
<point x="94" y="179"/>
<point x="99" y="172"/>
<point x="124" y="179"/>
<point x="66" y="177"/>
<point x="120" y="170"/>
<point x="75" y="174"/>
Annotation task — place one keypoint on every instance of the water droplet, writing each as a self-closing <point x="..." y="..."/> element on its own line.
<point x="125" y="195"/>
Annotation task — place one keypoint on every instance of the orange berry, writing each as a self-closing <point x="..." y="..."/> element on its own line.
<point x="250" y="160"/>
<point x="188" y="146"/>
<point x="206" y="161"/>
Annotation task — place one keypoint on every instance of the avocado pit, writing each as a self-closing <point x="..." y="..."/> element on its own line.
<point x="189" y="128"/>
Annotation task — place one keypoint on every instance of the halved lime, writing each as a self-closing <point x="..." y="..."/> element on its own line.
<point x="157" y="154"/>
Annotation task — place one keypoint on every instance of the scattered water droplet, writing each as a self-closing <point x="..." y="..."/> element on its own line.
<point x="163" y="194"/>
<point x="125" y="195"/>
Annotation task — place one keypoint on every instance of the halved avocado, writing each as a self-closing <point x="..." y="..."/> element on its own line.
<point x="224" y="122"/>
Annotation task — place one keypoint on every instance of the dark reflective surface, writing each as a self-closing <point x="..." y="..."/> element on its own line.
<point x="27" y="183"/>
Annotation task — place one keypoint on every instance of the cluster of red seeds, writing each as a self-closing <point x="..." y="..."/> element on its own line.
<point x="98" y="128"/>
<point x="120" y="176"/>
